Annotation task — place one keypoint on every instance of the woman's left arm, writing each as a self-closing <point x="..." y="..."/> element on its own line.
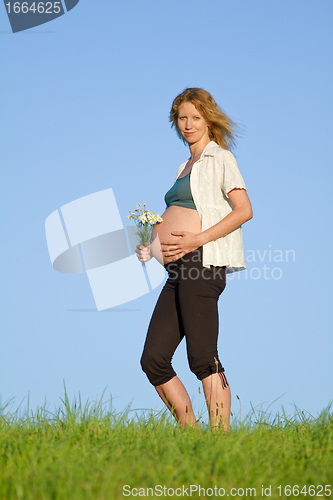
<point x="189" y="242"/>
<point x="242" y="212"/>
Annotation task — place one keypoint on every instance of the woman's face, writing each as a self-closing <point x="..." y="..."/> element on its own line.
<point x="192" y="124"/>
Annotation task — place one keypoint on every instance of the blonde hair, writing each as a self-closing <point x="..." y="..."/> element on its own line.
<point x="222" y="129"/>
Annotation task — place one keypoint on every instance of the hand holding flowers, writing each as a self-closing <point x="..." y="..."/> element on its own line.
<point x="145" y="221"/>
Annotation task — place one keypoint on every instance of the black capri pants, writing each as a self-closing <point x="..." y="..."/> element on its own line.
<point x="186" y="307"/>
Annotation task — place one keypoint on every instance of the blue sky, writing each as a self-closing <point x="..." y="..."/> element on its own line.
<point x="85" y="102"/>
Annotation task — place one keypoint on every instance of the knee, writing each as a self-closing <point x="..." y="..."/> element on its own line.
<point x="203" y="367"/>
<point x="158" y="371"/>
<point x="146" y="361"/>
<point x="196" y="367"/>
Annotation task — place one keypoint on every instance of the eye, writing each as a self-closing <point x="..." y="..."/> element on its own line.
<point x="197" y="117"/>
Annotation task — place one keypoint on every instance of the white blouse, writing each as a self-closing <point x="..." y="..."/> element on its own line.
<point x="212" y="177"/>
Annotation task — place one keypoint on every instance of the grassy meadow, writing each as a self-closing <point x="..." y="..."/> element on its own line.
<point x="84" y="451"/>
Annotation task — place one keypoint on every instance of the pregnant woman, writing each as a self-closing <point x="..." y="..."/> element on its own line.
<point x="200" y="242"/>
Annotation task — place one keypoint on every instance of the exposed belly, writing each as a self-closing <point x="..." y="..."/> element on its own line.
<point x="175" y="218"/>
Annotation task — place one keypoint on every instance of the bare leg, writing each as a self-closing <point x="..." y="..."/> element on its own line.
<point x="175" y="396"/>
<point x="218" y="399"/>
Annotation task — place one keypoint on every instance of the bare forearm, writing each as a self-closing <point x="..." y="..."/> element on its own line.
<point x="231" y="222"/>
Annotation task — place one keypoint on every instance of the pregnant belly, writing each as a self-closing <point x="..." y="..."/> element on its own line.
<point x="174" y="219"/>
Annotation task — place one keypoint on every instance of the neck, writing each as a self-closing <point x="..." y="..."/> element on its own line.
<point x="197" y="148"/>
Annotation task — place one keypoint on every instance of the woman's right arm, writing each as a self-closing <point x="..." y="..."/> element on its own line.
<point x="143" y="252"/>
<point x="148" y="251"/>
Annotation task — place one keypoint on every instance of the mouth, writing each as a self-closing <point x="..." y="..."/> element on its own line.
<point x="189" y="133"/>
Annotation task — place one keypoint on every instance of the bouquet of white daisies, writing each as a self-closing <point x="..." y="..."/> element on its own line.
<point x="145" y="221"/>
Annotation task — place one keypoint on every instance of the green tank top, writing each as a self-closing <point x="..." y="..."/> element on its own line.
<point x="180" y="193"/>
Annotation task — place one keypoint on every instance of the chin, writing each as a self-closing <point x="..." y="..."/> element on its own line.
<point x="190" y="140"/>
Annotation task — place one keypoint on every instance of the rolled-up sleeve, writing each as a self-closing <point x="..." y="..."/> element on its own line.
<point x="231" y="178"/>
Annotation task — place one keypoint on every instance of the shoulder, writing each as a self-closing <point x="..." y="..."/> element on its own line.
<point x="181" y="168"/>
<point x="213" y="149"/>
<point x="182" y="165"/>
<point x="221" y="157"/>
<point x="223" y="154"/>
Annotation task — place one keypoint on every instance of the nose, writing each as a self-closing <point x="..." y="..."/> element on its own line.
<point x="188" y="124"/>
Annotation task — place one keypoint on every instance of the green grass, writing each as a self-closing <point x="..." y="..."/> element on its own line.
<point x="89" y="452"/>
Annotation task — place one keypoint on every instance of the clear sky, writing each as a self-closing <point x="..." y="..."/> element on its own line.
<point x="84" y="107"/>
